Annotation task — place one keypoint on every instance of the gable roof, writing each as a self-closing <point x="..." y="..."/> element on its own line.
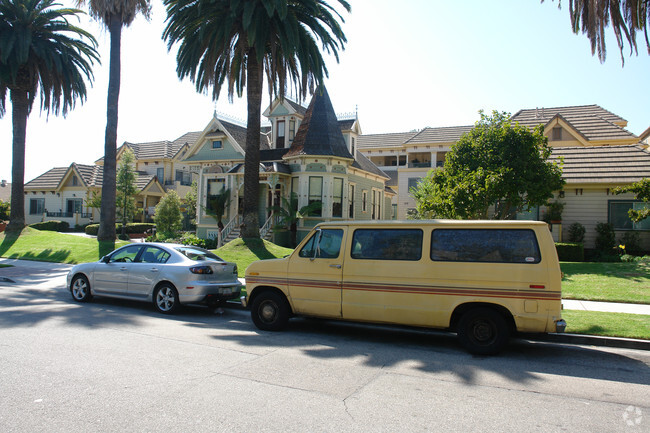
<point x="591" y="122"/>
<point x="363" y="163"/>
<point x="319" y="132"/>
<point x="603" y="164"/>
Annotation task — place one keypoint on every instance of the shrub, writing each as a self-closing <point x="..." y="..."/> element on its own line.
<point x="606" y="238"/>
<point x="577" y="233"/>
<point x="52" y="226"/>
<point x="631" y="243"/>
<point x="168" y="215"/>
<point x="131" y="228"/>
<point x="92" y="229"/>
<point x="191" y="239"/>
<point x="570" y="252"/>
<point x="5" y="210"/>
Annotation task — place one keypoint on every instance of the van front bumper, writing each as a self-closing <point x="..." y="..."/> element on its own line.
<point x="560" y="326"/>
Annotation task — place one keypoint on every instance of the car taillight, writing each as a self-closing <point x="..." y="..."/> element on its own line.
<point x="201" y="270"/>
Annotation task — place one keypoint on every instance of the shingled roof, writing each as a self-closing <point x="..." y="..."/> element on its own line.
<point x="91" y="176"/>
<point x="384" y="140"/>
<point x="319" y="132"/>
<point x="449" y="134"/>
<point x="593" y="122"/>
<point x="603" y="164"/>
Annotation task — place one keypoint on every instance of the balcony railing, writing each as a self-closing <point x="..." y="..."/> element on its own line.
<point x="418" y="164"/>
<point x="67" y="214"/>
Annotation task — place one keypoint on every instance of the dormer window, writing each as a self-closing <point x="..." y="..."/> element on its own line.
<point x="279" y="142"/>
<point x="557" y="133"/>
<point x="292" y="129"/>
<point x="75" y="182"/>
<point x="217" y="144"/>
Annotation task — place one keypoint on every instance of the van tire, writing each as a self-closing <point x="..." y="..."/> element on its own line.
<point x="270" y="311"/>
<point x="483" y="331"/>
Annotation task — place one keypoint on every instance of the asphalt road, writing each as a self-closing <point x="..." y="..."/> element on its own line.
<point x="119" y="366"/>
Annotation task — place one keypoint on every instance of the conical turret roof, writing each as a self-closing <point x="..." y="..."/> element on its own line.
<point x="319" y="132"/>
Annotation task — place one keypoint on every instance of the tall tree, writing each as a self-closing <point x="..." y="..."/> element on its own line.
<point x="495" y="162"/>
<point x="114" y="14"/>
<point x="627" y="18"/>
<point x="237" y="43"/>
<point x="40" y="52"/>
<point x="126" y="188"/>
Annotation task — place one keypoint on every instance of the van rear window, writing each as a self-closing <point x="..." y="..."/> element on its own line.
<point x="387" y="244"/>
<point x="485" y="245"/>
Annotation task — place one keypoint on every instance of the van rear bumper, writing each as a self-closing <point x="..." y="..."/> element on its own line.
<point x="560" y="326"/>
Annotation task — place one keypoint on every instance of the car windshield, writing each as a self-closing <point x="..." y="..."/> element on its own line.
<point x="198" y="254"/>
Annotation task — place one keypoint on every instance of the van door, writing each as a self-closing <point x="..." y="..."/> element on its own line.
<point x="314" y="274"/>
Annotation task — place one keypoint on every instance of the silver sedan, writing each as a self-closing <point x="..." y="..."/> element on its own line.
<point x="165" y="274"/>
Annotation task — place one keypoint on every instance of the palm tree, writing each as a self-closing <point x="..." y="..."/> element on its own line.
<point x="627" y="17"/>
<point x="290" y="214"/>
<point x="238" y="42"/>
<point x="40" y="52"/>
<point x="114" y="14"/>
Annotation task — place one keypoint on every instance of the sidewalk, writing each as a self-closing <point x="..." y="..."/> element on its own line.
<point x="608" y="307"/>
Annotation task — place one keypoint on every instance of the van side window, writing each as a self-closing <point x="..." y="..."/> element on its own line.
<point x="324" y="244"/>
<point x="387" y="244"/>
<point x="485" y="245"/>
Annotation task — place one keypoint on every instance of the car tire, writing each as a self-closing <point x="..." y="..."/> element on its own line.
<point x="270" y="311"/>
<point x="80" y="289"/>
<point x="165" y="299"/>
<point x="483" y="331"/>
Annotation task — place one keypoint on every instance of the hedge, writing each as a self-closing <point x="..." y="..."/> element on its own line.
<point x="52" y="226"/>
<point x="570" y="251"/>
<point x="131" y="228"/>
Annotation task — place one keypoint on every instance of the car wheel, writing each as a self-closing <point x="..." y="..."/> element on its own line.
<point x="270" y="311"/>
<point x="483" y="331"/>
<point x="80" y="289"/>
<point x="165" y="299"/>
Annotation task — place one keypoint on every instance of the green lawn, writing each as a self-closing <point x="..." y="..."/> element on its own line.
<point x="607" y="324"/>
<point x="246" y="251"/>
<point x="608" y="282"/>
<point x="56" y="247"/>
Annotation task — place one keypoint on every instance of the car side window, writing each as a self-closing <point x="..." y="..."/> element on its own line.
<point x="126" y="255"/>
<point x="324" y="244"/>
<point x="153" y="255"/>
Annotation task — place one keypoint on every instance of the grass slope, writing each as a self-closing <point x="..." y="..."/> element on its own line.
<point x="607" y="282"/>
<point x="55" y="247"/>
<point x="246" y="251"/>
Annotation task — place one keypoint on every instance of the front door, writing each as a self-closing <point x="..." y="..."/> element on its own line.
<point x="113" y="277"/>
<point x="315" y="274"/>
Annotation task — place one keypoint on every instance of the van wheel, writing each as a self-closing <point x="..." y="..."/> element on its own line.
<point x="483" y="331"/>
<point x="270" y="311"/>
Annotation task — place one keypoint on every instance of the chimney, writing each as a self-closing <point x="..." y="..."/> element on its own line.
<point x="4" y="183"/>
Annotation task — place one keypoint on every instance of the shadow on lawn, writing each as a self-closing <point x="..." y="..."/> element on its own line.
<point x="257" y="247"/>
<point x="9" y="240"/>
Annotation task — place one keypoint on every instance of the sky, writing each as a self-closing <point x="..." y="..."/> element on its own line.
<point x="407" y="65"/>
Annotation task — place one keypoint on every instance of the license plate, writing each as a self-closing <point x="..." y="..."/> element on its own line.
<point x="226" y="291"/>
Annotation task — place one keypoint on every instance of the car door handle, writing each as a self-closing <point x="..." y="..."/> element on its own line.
<point x="123" y="268"/>
<point x="154" y="269"/>
<point x="335" y="266"/>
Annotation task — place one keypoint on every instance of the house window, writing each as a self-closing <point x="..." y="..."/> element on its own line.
<point x="351" y="200"/>
<point x="620" y="219"/>
<point x="280" y="138"/>
<point x="364" y="201"/>
<point x="316" y="193"/>
<point x="215" y="186"/>
<point x="217" y="144"/>
<point x="292" y="129"/>
<point x="352" y="146"/>
<point x="36" y="206"/>
<point x="337" y="198"/>
<point x="160" y="174"/>
<point x="557" y="133"/>
<point x="373" y="213"/>
<point x="294" y="185"/>
<point x="73" y="205"/>
<point x="413" y="183"/>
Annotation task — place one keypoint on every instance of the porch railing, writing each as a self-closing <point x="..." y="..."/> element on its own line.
<point x="266" y="227"/>
<point x="234" y="222"/>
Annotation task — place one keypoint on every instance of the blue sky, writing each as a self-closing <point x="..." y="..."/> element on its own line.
<point x="407" y="65"/>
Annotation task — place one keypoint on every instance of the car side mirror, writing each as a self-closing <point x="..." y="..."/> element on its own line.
<point x="106" y="259"/>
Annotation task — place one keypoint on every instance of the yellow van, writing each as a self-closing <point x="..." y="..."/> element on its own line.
<point x="482" y="279"/>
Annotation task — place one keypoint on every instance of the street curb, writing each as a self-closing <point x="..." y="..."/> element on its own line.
<point x="592" y="340"/>
<point x="578" y="339"/>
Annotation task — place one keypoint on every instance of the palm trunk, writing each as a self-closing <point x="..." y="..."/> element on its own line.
<point x="19" y="113"/>
<point x="107" y="217"/>
<point x="251" y="228"/>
